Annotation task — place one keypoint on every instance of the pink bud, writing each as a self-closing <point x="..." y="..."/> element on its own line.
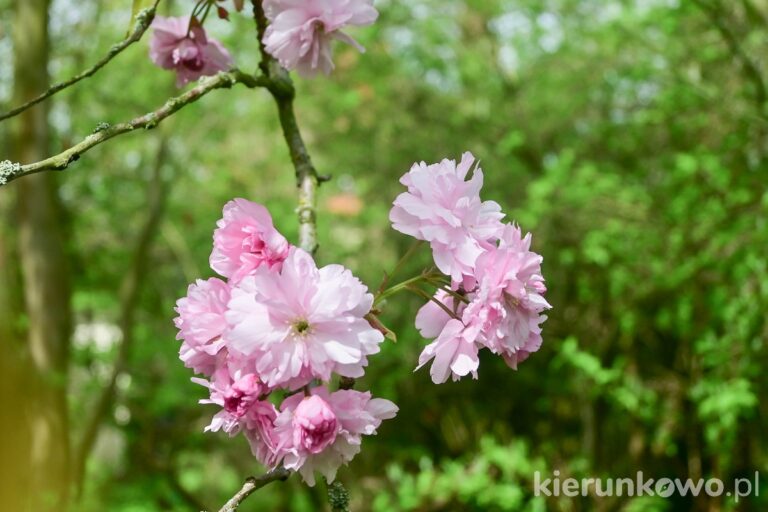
<point x="242" y="394"/>
<point x="314" y="424"/>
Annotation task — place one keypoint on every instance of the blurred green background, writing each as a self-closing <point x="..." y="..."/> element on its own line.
<point x="630" y="136"/>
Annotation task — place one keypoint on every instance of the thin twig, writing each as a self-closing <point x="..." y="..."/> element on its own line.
<point x="279" y="84"/>
<point x="143" y="21"/>
<point x="10" y="171"/>
<point x="253" y="484"/>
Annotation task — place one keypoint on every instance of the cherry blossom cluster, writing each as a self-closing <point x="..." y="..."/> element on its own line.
<point x="494" y="294"/>
<point x="274" y="331"/>
<point x="300" y="33"/>
<point x="299" y="36"/>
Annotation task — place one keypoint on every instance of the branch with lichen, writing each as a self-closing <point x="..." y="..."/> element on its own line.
<point x="143" y="21"/>
<point x="253" y="484"/>
<point x="279" y="84"/>
<point x="10" y="171"/>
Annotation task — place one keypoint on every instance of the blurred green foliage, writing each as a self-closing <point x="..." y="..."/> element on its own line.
<point x="628" y="136"/>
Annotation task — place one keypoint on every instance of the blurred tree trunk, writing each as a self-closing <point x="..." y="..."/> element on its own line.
<point x="14" y="437"/>
<point x="43" y="261"/>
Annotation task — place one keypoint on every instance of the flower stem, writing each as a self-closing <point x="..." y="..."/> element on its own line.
<point x="399" y="265"/>
<point x="195" y="11"/>
<point x="418" y="291"/>
<point x="207" y="10"/>
<point x="403" y="285"/>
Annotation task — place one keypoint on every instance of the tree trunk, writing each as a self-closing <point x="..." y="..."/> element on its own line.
<point x="42" y="473"/>
<point x="14" y="436"/>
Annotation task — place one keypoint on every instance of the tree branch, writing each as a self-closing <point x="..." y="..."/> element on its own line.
<point x="279" y="84"/>
<point x="157" y="190"/>
<point x="253" y="484"/>
<point x="143" y="21"/>
<point x="10" y="171"/>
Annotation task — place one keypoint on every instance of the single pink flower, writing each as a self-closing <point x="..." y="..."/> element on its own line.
<point x="201" y="323"/>
<point x="300" y="32"/>
<point x="314" y="425"/>
<point x="246" y="239"/>
<point x="454" y="353"/>
<point x="302" y="322"/>
<point x="445" y="209"/>
<point x="324" y="430"/>
<point x="189" y="52"/>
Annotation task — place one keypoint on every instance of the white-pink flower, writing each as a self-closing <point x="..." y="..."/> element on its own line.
<point x="503" y="311"/>
<point x="188" y="51"/>
<point x="323" y="431"/>
<point x="454" y="351"/>
<point x="246" y="239"/>
<point x="300" y="32"/>
<point x="444" y="208"/>
<point x="201" y="323"/>
<point x="302" y="322"/>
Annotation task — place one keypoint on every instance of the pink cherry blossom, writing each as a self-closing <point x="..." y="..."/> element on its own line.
<point x="502" y="313"/>
<point x="201" y="323"/>
<point x="246" y="239"/>
<point x="244" y="408"/>
<point x="315" y="425"/>
<point x="454" y="353"/>
<point x="235" y="396"/>
<point x="302" y="322"/>
<point x="445" y="209"/>
<point x="189" y="52"/>
<point x="508" y="301"/>
<point x="300" y="32"/>
<point x="322" y="431"/>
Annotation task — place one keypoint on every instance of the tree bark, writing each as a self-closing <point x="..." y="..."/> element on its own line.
<point x="42" y="472"/>
<point x="14" y="462"/>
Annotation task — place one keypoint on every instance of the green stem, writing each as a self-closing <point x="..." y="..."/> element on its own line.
<point x="207" y="10"/>
<point x="403" y="285"/>
<point x="195" y="11"/>
<point x="418" y="291"/>
<point x="399" y="265"/>
<point x="453" y="293"/>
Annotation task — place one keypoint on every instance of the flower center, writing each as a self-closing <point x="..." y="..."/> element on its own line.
<point x="189" y="55"/>
<point x="510" y="301"/>
<point x="254" y="244"/>
<point x="301" y="327"/>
